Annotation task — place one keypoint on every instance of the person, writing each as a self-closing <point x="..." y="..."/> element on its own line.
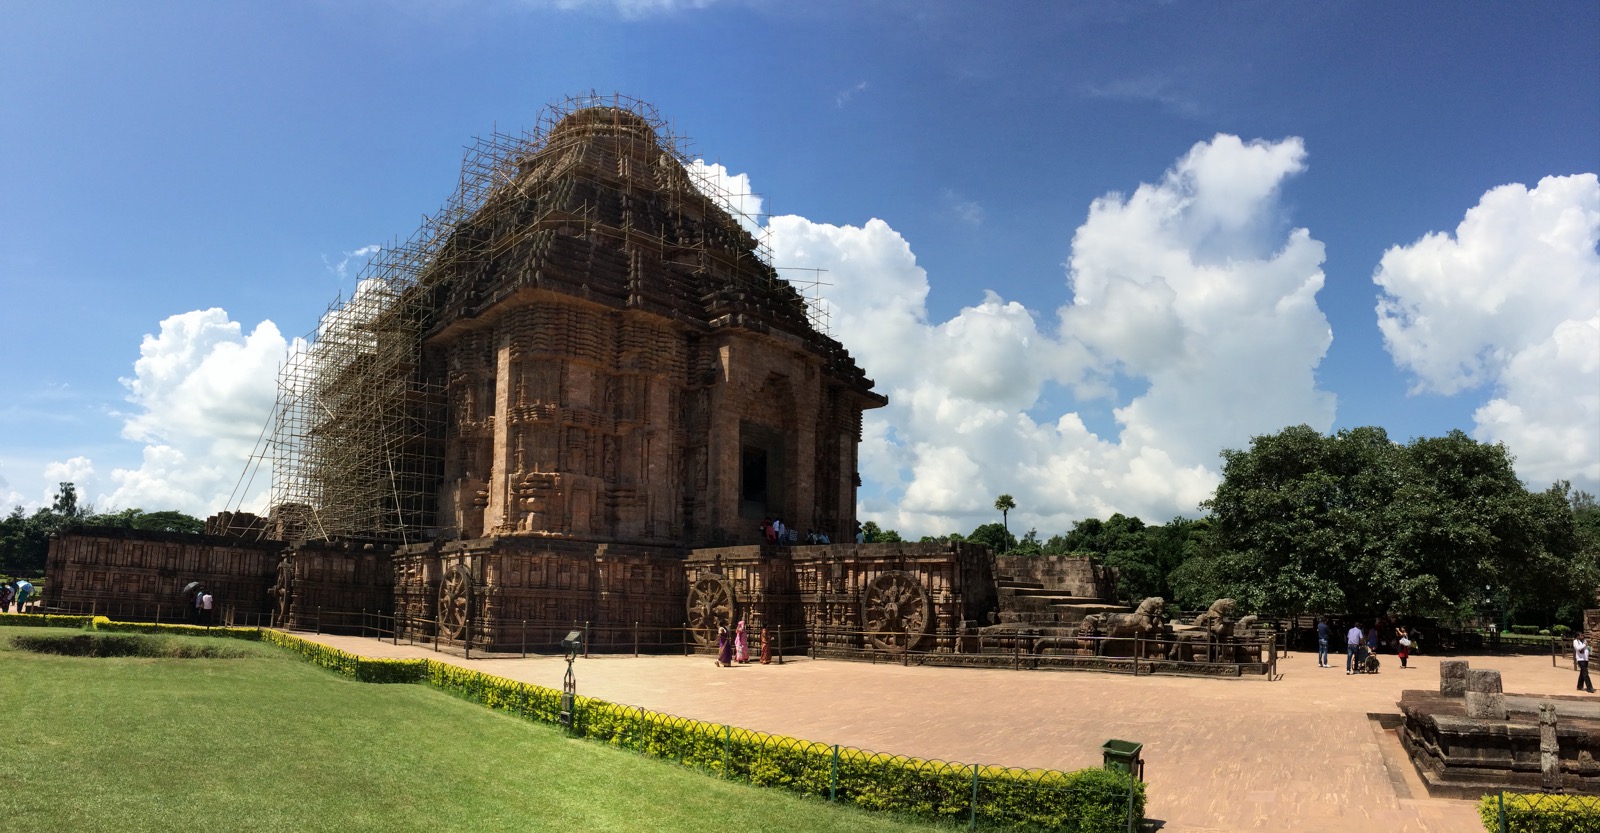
<point x="1352" y="640"/>
<point x="766" y="650"/>
<point x="24" y="591"/>
<point x="768" y="534"/>
<point x="199" y="610"/>
<point x="1324" y="634"/>
<point x="207" y="612"/>
<point x="822" y="538"/>
<point x="1402" y="645"/>
<point x="741" y="644"/>
<point x="1580" y="652"/>
<point x="781" y="530"/>
<point x="724" y="647"/>
<point x="7" y="593"/>
<point x="1363" y="658"/>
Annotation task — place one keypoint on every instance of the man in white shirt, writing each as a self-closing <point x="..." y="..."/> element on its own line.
<point x="205" y="607"/>
<point x="1352" y="640"/>
<point x="1580" y="652"/>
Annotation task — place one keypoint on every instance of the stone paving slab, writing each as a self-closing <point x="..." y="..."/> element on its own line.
<point x="1301" y="753"/>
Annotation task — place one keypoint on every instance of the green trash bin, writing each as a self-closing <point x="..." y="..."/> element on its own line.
<point x="1123" y="756"/>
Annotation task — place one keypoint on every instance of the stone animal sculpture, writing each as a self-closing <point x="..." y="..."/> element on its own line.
<point x="1214" y="627"/>
<point x="1143" y="622"/>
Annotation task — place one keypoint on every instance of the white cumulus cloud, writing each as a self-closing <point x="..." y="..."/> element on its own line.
<point x="204" y="390"/>
<point x="79" y="471"/>
<point x="1510" y="302"/>
<point x="1182" y="287"/>
<point x="731" y="191"/>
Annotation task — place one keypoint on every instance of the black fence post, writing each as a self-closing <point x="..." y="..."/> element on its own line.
<point x="780" y="644"/>
<point x="636" y="637"/>
<point x="685" y="638"/>
<point x="972" y="820"/>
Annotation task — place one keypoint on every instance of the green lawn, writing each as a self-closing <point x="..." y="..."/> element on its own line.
<point x="271" y="743"/>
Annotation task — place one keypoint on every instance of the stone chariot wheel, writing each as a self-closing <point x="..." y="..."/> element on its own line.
<point x="282" y="591"/>
<point x="455" y="600"/>
<point x="711" y="604"/>
<point x="895" y="611"/>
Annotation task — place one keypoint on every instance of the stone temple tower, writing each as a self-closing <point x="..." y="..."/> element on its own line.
<point x="620" y="364"/>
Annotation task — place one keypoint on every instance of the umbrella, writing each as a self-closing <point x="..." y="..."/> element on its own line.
<point x="191" y="587"/>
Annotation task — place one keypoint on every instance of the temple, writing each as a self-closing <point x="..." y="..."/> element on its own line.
<point x="574" y="398"/>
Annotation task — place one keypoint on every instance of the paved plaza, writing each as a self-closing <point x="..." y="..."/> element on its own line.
<point x="1299" y="754"/>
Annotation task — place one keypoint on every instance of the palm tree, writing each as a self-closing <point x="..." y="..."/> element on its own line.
<point x="1005" y="504"/>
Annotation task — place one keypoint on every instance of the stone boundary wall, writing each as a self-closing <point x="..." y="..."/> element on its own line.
<point x="1072" y="574"/>
<point x="135" y="574"/>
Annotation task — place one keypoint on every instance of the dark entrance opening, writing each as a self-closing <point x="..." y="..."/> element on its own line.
<point x="760" y="471"/>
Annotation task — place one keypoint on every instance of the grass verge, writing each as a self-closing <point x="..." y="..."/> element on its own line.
<point x="267" y="742"/>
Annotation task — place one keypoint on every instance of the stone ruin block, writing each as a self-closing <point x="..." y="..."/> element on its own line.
<point x="1485" y="699"/>
<point x="1453" y="677"/>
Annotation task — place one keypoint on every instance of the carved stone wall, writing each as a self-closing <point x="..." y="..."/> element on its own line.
<point x="754" y="583"/>
<point x="860" y="596"/>
<point x="335" y="587"/>
<point x="511" y="592"/>
<point x="137" y="574"/>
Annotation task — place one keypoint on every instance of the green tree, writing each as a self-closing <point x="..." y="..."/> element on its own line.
<point x="1029" y="545"/>
<point x="25" y="539"/>
<point x="874" y="534"/>
<point x="1005" y="504"/>
<point x="66" y="502"/>
<point x="994" y="536"/>
<point x="166" y="521"/>
<point x="1356" y="522"/>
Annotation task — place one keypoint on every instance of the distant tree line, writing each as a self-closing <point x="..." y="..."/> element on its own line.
<point x="1351" y="522"/>
<point x="25" y="538"/>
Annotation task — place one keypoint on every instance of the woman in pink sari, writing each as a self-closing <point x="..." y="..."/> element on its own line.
<point x="741" y="644"/>
<point x="724" y="647"/>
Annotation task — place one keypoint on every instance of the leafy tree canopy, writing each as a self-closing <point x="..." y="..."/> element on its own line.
<point x="994" y="536"/>
<point x="1354" y="521"/>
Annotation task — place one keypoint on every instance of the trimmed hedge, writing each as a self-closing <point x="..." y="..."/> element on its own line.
<point x="1086" y="801"/>
<point x="43" y="620"/>
<point x="92" y="644"/>
<point x="1534" y="813"/>
<point x="102" y="623"/>
<point x="350" y="665"/>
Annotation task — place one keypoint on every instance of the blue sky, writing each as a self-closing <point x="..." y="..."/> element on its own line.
<point x="1083" y="247"/>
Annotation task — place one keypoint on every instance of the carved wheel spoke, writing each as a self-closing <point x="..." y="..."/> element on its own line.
<point x="895" y="611"/>
<point x="710" y="604"/>
<point x="455" y="597"/>
<point x="283" y="590"/>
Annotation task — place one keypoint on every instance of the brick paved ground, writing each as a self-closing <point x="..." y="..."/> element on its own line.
<point x="1297" y="754"/>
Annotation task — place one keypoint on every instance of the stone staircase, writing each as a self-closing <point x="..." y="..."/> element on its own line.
<point x="1030" y="602"/>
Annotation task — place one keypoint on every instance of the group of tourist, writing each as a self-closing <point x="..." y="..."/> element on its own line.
<point x="773" y="531"/>
<point x="1361" y="644"/>
<point x="736" y="647"/>
<point x="17" y="592"/>
<point x="204" y="607"/>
